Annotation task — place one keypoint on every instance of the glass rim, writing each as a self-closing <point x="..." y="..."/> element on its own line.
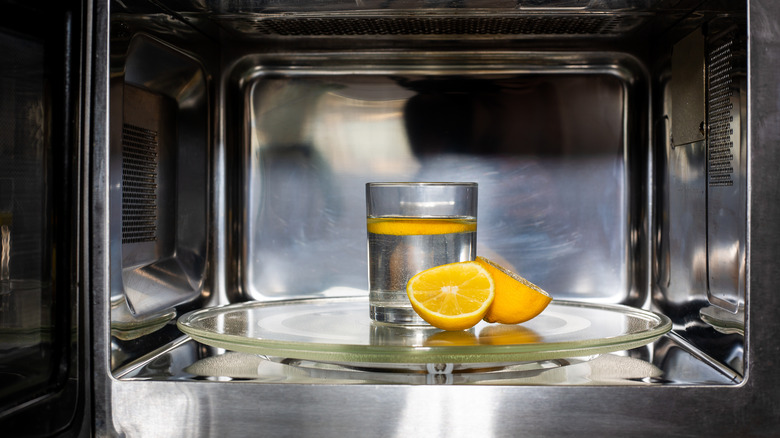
<point x="410" y="183"/>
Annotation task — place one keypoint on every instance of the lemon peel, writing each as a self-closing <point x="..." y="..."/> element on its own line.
<point x="517" y="300"/>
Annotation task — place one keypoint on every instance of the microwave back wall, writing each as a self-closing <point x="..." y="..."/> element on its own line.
<point x="625" y="153"/>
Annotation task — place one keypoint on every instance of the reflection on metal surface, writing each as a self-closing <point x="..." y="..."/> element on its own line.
<point x="158" y="198"/>
<point x="726" y="173"/>
<point x="554" y="179"/>
<point x="626" y="368"/>
<point x="683" y="361"/>
<point x="669" y="361"/>
<point x="699" y="249"/>
<point x="26" y="339"/>
<point x="6" y="220"/>
<point x="723" y="320"/>
<point x="596" y="370"/>
<point x="688" y="102"/>
<point x="262" y="369"/>
<point x="125" y="326"/>
<point x="683" y="244"/>
<point x="5" y="256"/>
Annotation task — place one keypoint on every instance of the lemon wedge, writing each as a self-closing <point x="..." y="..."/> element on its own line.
<point x="517" y="299"/>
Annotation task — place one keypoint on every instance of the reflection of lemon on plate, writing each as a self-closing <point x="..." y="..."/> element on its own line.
<point x="507" y="335"/>
<point x="517" y="299"/>
<point x="451" y="339"/>
<point x="455" y="296"/>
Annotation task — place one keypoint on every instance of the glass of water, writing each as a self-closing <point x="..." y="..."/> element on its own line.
<point x="413" y="226"/>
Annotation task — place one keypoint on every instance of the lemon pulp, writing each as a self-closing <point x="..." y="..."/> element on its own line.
<point x="454" y="296"/>
<point x="517" y="299"/>
<point x="419" y="226"/>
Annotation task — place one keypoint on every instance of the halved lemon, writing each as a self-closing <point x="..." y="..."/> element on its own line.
<point x="517" y="299"/>
<point x="455" y="296"/>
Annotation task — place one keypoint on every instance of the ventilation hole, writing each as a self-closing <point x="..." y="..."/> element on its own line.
<point x="358" y="26"/>
<point x="139" y="184"/>
<point x="719" y="119"/>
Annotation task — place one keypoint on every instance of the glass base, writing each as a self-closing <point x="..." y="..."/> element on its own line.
<point x="396" y="315"/>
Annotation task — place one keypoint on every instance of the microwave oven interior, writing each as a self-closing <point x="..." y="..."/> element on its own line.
<point x="608" y="140"/>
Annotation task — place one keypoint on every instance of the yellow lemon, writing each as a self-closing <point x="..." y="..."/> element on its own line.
<point x="455" y="296"/>
<point x="517" y="299"/>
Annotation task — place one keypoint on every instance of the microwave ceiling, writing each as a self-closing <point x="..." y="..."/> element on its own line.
<point x="434" y="24"/>
<point x="398" y="19"/>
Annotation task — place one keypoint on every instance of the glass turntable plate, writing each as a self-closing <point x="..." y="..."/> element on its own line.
<point x="340" y="330"/>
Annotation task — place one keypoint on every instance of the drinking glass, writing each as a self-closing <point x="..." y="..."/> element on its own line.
<point x="413" y="226"/>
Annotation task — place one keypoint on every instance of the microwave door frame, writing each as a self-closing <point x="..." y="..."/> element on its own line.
<point x="60" y="405"/>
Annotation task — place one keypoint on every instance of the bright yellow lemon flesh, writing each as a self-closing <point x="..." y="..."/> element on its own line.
<point x="452" y="297"/>
<point x="517" y="299"/>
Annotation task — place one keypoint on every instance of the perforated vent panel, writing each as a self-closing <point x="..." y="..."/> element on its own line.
<point x="726" y="170"/>
<point x="140" y="148"/>
<point x="525" y="25"/>
<point x="719" y="116"/>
